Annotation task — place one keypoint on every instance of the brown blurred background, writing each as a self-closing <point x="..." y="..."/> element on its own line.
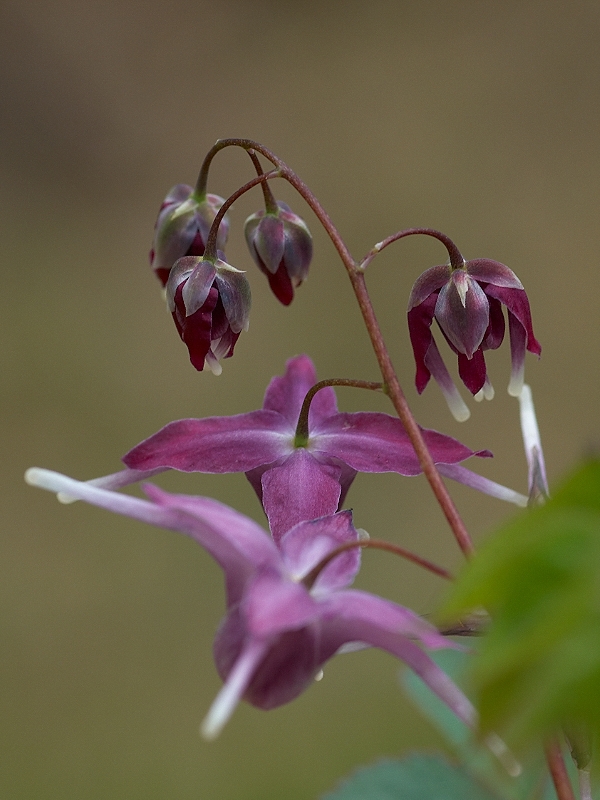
<point x="475" y="117"/>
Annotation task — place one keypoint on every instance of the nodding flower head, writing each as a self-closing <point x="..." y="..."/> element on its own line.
<point x="466" y="301"/>
<point x="281" y="626"/>
<point x="210" y="303"/>
<point x="182" y="228"/>
<point x="281" y="246"/>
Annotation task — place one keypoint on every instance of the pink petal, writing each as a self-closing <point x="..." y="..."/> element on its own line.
<point x="237" y="543"/>
<point x="269" y="241"/>
<point x="462" y="312"/>
<point x="307" y="543"/>
<point x="299" y="489"/>
<point x="487" y="271"/>
<point x="290" y="662"/>
<point x="285" y="394"/>
<point x="358" y="616"/>
<point x="373" y="442"/>
<point x="517" y="303"/>
<point x="215" y="444"/>
<point x="238" y="678"/>
<point x="274" y="604"/>
<point x="428" y="283"/>
<point x="494" y="336"/>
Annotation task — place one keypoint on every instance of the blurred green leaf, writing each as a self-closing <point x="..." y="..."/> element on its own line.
<point x="539" y="578"/>
<point x="418" y="777"/>
<point x="473" y="753"/>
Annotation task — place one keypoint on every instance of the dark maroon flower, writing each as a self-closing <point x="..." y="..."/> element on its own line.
<point x="467" y="303"/>
<point x="281" y="246"/>
<point x="210" y="304"/>
<point x="182" y="228"/>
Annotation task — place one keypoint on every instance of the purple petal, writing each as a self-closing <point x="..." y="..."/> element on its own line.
<point x="419" y="328"/>
<point x="285" y="394"/>
<point x="462" y="312"/>
<point x="307" y="543"/>
<point x="517" y="303"/>
<point x="289" y="666"/>
<point x="494" y="336"/>
<point x="269" y="241"/>
<point x="475" y="481"/>
<point x="299" y="489"/>
<point x="358" y="616"/>
<point x="487" y="271"/>
<point x="374" y="442"/>
<point x="238" y="678"/>
<point x="237" y="543"/>
<point x="215" y="444"/>
<point x="428" y="283"/>
<point x="274" y="604"/>
<point x="197" y="286"/>
<point x="234" y="291"/>
<point x="117" y="480"/>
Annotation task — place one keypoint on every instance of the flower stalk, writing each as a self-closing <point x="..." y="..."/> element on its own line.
<point x="356" y="275"/>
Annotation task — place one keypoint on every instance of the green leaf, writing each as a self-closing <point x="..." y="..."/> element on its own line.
<point x="418" y="777"/>
<point x="473" y="753"/>
<point x="539" y="578"/>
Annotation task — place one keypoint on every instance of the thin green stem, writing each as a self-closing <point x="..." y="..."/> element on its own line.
<point x="301" y="437"/>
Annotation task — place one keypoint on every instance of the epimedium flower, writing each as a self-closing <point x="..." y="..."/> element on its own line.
<point x="296" y="477"/>
<point x="210" y="303"/>
<point x="182" y="227"/>
<point x="466" y="299"/>
<point x="282" y="624"/>
<point x="281" y="245"/>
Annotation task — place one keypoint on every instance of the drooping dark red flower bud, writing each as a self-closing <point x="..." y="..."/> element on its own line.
<point x="182" y="228"/>
<point x="281" y="245"/>
<point x="210" y="304"/>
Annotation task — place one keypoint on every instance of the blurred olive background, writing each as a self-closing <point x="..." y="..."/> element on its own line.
<point x="479" y="118"/>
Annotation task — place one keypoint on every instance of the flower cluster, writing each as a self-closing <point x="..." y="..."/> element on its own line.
<point x="208" y="298"/>
<point x="289" y="605"/>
